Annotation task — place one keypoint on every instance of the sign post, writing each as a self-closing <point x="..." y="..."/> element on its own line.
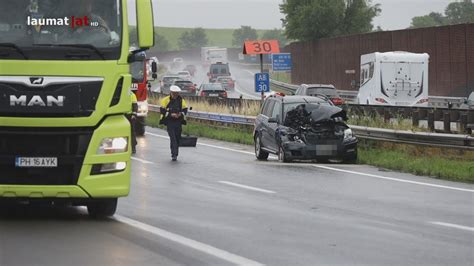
<point x="261" y="47"/>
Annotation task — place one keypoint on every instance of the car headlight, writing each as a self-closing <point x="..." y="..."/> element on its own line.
<point x="348" y="134"/>
<point x="113" y="145"/>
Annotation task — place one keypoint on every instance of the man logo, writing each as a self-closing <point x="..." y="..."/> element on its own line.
<point x="36" y="81"/>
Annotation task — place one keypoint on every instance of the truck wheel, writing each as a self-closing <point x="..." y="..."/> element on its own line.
<point x="259" y="153"/>
<point x="140" y="127"/>
<point x="282" y="157"/>
<point x="102" y="208"/>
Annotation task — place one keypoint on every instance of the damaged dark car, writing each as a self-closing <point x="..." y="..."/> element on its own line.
<point x="304" y="128"/>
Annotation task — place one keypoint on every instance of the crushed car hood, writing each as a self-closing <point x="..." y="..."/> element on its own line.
<point x="310" y="114"/>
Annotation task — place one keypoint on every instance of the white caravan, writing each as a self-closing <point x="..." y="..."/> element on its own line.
<point x="394" y="79"/>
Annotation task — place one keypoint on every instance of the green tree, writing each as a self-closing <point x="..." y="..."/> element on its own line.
<point x="243" y="34"/>
<point x="460" y="12"/>
<point x="193" y="39"/>
<point x="315" y="19"/>
<point x="358" y="16"/>
<point x="275" y="34"/>
<point x="161" y="43"/>
<point x="431" y="20"/>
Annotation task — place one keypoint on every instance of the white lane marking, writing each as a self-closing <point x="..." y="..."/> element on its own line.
<point x="206" y="145"/>
<point x="218" y="253"/>
<point x="247" y="187"/>
<point x="394" y="179"/>
<point x="250" y="72"/>
<point x="141" y="160"/>
<point x="456" y="226"/>
<point x="244" y="93"/>
<point x="346" y="171"/>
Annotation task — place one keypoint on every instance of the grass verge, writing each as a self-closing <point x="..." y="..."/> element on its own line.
<point x="454" y="166"/>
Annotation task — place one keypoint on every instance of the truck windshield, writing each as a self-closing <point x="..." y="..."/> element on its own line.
<point x="60" y="29"/>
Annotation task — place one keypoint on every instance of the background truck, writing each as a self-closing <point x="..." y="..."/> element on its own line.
<point x="394" y="78"/>
<point x="64" y="94"/>
<point x="215" y="55"/>
<point x="205" y="56"/>
<point x="143" y="72"/>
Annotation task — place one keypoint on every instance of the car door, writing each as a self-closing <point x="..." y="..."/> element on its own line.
<point x="266" y="127"/>
<point x="273" y="127"/>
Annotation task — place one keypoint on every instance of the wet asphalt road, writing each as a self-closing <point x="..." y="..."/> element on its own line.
<point x="218" y="206"/>
<point x="243" y="75"/>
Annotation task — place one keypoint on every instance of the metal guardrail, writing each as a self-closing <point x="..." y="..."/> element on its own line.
<point x="399" y="136"/>
<point x="351" y="96"/>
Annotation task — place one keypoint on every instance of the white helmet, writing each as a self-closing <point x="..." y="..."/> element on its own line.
<point x="175" y="88"/>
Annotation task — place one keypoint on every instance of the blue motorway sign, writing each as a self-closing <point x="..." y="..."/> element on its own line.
<point x="262" y="82"/>
<point x="282" y="62"/>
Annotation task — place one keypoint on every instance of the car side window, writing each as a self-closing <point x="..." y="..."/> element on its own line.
<point x="276" y="111"/>
<point x="268" y="110"/>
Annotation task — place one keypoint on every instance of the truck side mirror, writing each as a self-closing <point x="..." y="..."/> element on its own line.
<point x="154" y="67"/>
<point x="154" y="76"/>
<point x="145" y="24"/>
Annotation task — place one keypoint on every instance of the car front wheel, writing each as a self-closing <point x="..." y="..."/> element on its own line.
<point x="282" y="157"/>
<point x="259" y="153"/>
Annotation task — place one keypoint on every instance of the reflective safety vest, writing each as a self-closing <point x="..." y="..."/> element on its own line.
<point x="166" y="111"/>
<point x="134" y="100"/>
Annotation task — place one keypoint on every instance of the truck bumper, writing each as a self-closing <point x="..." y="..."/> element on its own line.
<point x="76" y="150"/>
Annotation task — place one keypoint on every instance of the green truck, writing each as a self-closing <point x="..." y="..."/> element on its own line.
<point x="64" y="96"/>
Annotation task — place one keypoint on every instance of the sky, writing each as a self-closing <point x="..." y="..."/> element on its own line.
<point x="265" y="14"/>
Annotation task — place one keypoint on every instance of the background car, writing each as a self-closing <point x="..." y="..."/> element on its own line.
<point x="185" y="75"/>
<point x="227" y="82"/>
<point x="177" y="63"/>
<point x="188" y="87"/>
<point x="303" y="128"/>
<point x="218" y="70"/>
<point x="166" y="83"/>
<point x="212" y="90"/>
<point x="321" y="89"/>
<point x="192" y="69"/>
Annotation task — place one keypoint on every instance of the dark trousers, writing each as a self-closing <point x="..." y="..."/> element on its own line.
<point x="174" y="131"/>
<point x="132" y="119"/>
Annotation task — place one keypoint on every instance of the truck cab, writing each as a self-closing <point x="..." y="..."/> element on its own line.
<point x="64" y="81"/>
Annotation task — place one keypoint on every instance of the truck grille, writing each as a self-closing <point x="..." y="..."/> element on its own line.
<point x="80" y="99"/>
<point x="68" y="145"/>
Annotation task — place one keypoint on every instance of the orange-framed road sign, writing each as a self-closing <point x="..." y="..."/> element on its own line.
<point x="261" y="47"/>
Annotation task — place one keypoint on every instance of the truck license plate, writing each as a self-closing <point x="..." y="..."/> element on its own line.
<point x="213" y="95"/>
<point x="36" y="162"/>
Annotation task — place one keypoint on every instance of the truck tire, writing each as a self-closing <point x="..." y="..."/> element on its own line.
<point x="259" y="153"/>
<point x="140" y="127"/>
<point x="102" y="208"/>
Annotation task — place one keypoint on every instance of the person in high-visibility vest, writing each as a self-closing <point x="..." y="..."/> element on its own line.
<point x="173" y="114"/>
<point x="132" y="117"/>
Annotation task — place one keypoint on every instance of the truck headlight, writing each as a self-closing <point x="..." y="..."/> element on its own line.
<point x="113" y="145"/>
<point x="348" y="134"/>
